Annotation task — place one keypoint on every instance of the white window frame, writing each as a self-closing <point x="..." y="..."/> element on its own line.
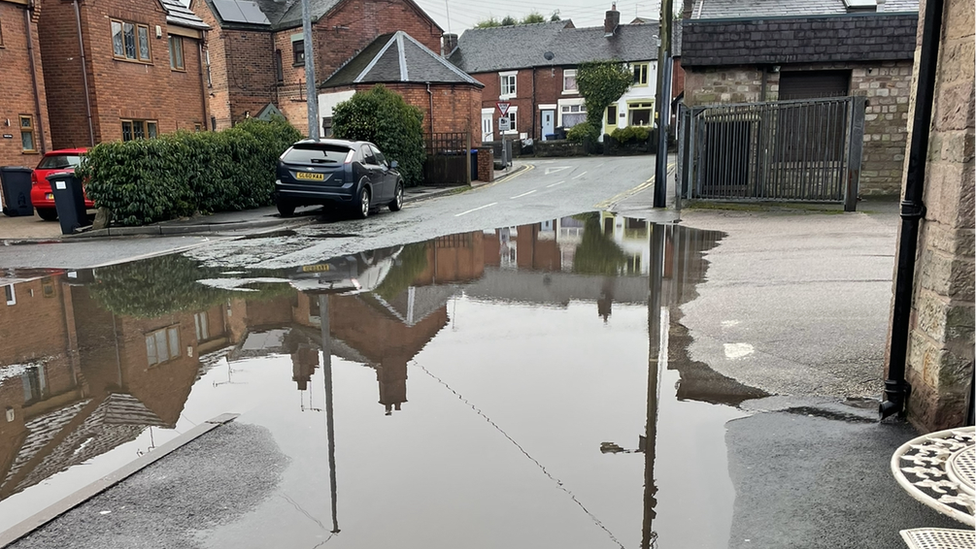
<point x="510" y="89"/>
<point x="11" y="296"/>
<point x="513" y="121"/>
<point x="567" y="73"/>
<point x="153" y="356"/>
<point x="565" y="107"/>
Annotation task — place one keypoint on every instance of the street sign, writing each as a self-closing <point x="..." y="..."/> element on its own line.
<point x="504" y="124"/>
<point x="503" y="107"/>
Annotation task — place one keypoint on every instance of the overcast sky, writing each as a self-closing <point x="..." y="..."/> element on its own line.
<point x="464" y="14"/>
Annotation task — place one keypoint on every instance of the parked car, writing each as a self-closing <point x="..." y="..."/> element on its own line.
<point x="60" y="161"/>
<point x="351" y="174"/>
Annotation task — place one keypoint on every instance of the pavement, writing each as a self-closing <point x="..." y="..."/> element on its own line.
<point x="33" y="228"/>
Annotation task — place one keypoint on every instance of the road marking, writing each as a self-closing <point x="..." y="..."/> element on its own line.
<point x="630" y="192"/>
<point x="524" y="194"/>
<point x="556" y="183"/>
<point x="476" y="209"/>
<point x="557" y="169"/>
<point x="579" y="176"/>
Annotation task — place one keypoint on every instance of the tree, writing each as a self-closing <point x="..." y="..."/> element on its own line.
<point x="382" y="117"/>
<point x="555" y="16"/>
<point x="534" y="17"/>
<point x="509" y="21"/>
<point x="489" y="23"/>
<point x="601" y="83"/>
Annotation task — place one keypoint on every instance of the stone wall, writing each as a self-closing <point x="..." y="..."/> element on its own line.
<point x="940" y="352"/>
<point x="886" y="84"/>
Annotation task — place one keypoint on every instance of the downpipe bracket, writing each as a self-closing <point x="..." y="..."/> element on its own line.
<point x="896" y="394"/>
<point x="912" y="210"/>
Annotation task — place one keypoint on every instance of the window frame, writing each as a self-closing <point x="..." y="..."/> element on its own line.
<point x="29" y="129"/>
<point x="10" y="294"/>
<point x="644" y="77"/>
<point x="512" y="116"/>
<point x="641" y="105"/>
<point x="1" y="33"/>
<point x="567" y="73"/>
<point x="137" y="29"/>
<point x="297" y="48"/>
<point x="149" y="128"/>
<point x="174" y="63"/>
<point x="173" y="350"/>
<point x="504" y="77"/>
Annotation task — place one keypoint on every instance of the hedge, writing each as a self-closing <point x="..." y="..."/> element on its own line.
<point x="177" y="175"/>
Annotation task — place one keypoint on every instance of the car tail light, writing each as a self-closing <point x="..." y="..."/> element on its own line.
<point x="349" y="157"/>
<point x="33" y="178"/>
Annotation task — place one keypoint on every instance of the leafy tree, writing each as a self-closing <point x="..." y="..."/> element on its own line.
<point x="489" y="23"/>
<point x="509" y="21"/>
<point x="534" y="17"/>
<point x="555" y="16"/>
<point x="385" y="119"/>
<point x="601" y="83"/>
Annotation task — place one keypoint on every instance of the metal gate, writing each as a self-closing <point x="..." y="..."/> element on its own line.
<point x="448" y="162"/>
<point x="801" y="150"/>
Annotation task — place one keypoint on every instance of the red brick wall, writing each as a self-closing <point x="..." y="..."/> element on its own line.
<point x="119" y="89"/>
<point x="533" y="87"/>
<point x="17" y="89"/>
<point x="244" y="82"/>
<point x="677" y="79"/>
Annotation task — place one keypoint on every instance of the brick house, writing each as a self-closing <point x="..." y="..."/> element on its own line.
<point x="738" y="52"/>
<point x="122" y="70"/>
<point x="449" y="98"/>
<point x="257" y="53"/>
<point x="24" y="125"/>
<point x="533" y="68"/>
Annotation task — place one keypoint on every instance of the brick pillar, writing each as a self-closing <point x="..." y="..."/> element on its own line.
<point x="486" y="164"/>
<point x="940" y="352"/>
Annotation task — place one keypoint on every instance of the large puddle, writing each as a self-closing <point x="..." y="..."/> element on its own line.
<point x="517" y="387"/>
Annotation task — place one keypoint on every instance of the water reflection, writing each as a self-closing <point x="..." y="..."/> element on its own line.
<point x="93" y="359"/>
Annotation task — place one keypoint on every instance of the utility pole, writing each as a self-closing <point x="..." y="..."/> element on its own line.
<point x="311" y="96"/>
<point x="663" y="104"/>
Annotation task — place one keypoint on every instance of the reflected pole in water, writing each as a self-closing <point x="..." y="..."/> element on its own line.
<point x="330" y="426"/>
<point x="655" y="281"/>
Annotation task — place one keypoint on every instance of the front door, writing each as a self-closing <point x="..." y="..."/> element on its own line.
<point x="548" y="123"/>
<point x="487" y="129"/>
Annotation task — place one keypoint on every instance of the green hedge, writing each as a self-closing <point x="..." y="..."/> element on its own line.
<point x="176" y="175"/>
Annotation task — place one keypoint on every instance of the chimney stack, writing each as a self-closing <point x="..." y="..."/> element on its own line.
<point x="686" y="9"/>
<point x="612" y="21"/>
<point x="448" y="43"/>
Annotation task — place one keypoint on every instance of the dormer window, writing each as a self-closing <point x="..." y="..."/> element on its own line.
<point x="860" y="6"/>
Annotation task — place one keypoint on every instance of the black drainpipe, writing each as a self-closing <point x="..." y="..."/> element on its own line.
<point x="33" y="71"/>
<point x="912" y="211"/>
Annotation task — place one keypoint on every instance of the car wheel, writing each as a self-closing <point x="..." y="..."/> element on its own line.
<point x="48" y="214"/>
<point x="363" y="211"/>
<point x="397" y="203"/>
<point x="285" y="208"/>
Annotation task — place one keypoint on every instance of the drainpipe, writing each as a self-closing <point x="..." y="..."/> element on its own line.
<point x="84" y="75"/>
<point x="33" y="71"/>
<point x="430" y="98"/>
<point x="203" y="80"/>
<point x="912" y="211"/>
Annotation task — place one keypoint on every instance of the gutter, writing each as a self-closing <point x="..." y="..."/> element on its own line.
<point x="896" y="389"/>
<point x="84" y="75"/>
<point x="33" y="71"/>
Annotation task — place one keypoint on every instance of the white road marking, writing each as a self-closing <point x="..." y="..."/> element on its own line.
<point x="557" y="169"/>
<point x="579" y="176"/>
<point x="524" y="194"/>
<point x="476" y="209"/>
<point x="556" y="183"/>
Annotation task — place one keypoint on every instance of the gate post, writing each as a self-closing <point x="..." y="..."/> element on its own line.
<point x="854" y="151"/>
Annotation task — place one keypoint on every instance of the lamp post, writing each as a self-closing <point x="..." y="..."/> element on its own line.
<point x="662" y="106"/>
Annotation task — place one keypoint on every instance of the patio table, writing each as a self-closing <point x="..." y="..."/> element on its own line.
<point x="939" y="470"/>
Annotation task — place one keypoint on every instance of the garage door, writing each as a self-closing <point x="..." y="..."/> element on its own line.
<point x="813" y="84"/>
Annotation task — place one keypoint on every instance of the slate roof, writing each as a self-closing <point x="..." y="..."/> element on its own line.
<point x="523" y="46"/>
<point x="397" y="57"/>
<point x="179" y="15"/>
<point x="728" y="9"/>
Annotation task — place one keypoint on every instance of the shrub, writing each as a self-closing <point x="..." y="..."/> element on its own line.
<point x="631" y="134"/>
<point x="176" y="175"/>
<point x="383" y="118"/>
<point x="583" y="132"/>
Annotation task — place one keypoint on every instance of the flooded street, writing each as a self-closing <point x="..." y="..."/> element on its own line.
<point x="503" y="387"/>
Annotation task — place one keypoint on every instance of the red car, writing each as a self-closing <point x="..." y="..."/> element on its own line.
<point x="60" y="161"/>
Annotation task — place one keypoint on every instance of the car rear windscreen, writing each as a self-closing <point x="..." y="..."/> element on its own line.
<point x="316" y="154"/>
<point x="59" y="162"/>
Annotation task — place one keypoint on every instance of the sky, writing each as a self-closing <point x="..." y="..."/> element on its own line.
<point x="465" y="14"/>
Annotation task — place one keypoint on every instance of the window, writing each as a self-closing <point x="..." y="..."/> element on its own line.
<point x="368" y="157"/>
<point x="201" y="322"/>
<point x="138" y="129"/>
<point x="640" y="74"/>
<point x="27" y="141"/>
<point x="512" y="116"/>
<point x="507" y="85"/>
<point x="10" y="295"/>
<point x="298" y="53"/>
<point x="176" y="53"/>
<point x="1" y="34"/>
<point x="380" y="157"/>
<point x="163" y="345"/>
<point x="130" y="41"/>
<point x="569" y="81"/>
<point x="640" y="113"/>
<point x="279" y="70"/>
<point x="34" y="381"/>
<point x="612" y="115"/>
<point x="572" y="114"/>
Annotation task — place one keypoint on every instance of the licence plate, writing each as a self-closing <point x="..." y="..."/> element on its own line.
<point x="316" y="268"/>
<point x="310" y="176"/>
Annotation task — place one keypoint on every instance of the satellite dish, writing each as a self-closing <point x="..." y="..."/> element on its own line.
<point x="549" y="56"/>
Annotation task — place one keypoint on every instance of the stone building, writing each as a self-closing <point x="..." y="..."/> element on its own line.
<point x="940" y="345"/>
<point x="24" y="126"/>
<point x="257" y="53"/>
<point x="122" y="70"/>
<point x="741" y="52"/>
